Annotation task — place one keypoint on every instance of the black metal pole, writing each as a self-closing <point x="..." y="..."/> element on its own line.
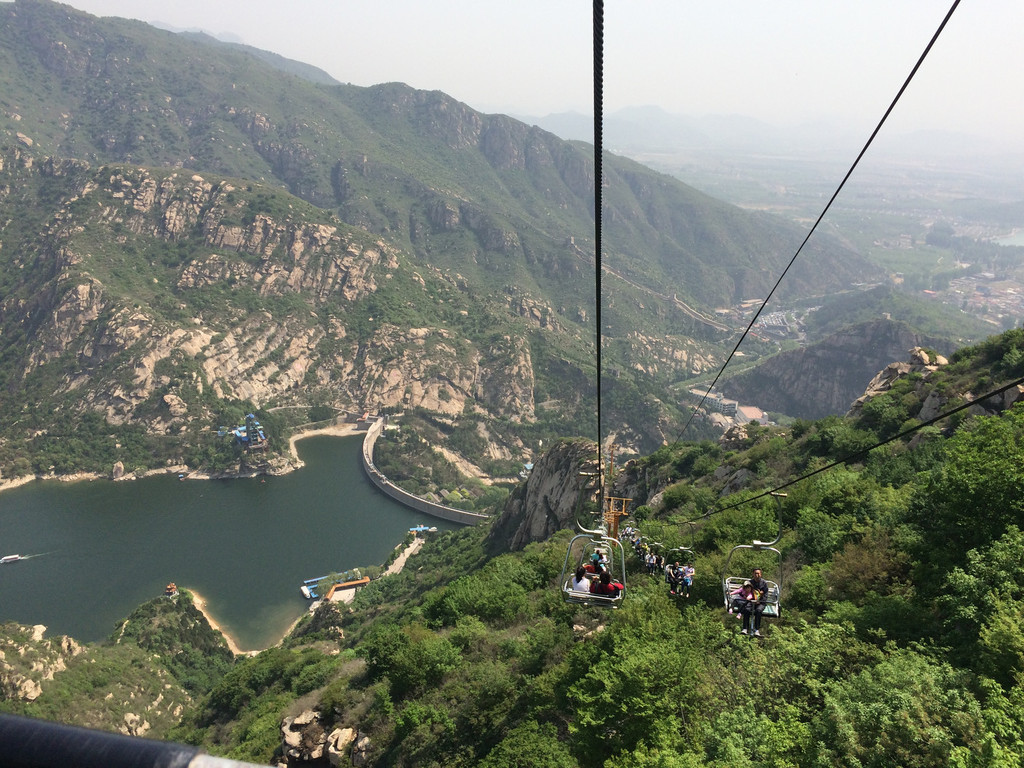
<point x="29" y="743"/>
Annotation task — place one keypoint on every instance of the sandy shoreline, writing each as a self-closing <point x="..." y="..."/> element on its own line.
<point x="200" y="602"/>
<point x="337" y="430"/>
<point x="79" y="477"/>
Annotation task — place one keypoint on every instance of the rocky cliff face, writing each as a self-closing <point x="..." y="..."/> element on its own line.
<point x="207" y="294"/>
<point x="935" y="399"/>
<point x="548" y="500"/>
<point x="824" y="378"/>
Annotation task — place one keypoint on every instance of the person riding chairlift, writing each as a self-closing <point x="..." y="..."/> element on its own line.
<point x="688" y="573"/>
<point x="755" y="608"/>
<point x="674" y="577"/>
<point x="740" y="597"/>
<point x="580" y="582"/>
<point x="750" y="602"/>
<point x="605" y="586"/>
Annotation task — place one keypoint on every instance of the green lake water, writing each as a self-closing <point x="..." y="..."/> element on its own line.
<point x="1017" y="238"/>
<point x="99" y="549"/>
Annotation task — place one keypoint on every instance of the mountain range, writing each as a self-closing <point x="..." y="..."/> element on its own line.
<point x="191" y="229"/>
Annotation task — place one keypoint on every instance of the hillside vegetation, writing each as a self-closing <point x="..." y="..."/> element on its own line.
<point x="898" y="644"/>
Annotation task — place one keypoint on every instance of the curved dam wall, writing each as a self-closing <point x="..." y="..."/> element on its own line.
<point x="404" y="497"/>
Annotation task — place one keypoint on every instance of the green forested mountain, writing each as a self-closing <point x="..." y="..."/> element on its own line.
<point x="898" y="641"/>
<point x="191" y="231"/>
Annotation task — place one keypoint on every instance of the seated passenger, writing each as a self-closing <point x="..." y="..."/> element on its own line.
<point x="605" y="586"/>
<point x="688" y="573"/>
<point x="741" y="596"/>
<point x="753" y="609"/>
<point x="673" y="575"/>
<point x="580" y="582"/>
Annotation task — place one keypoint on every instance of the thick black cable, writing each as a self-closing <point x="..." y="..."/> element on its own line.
<point x="821" y="216"/>
<point x="31" y="743"/>
<point x="598" y="180"/>
<point x="857" y="455"/>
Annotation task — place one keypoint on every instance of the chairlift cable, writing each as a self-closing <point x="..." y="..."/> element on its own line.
<point x="821" y="216"/>
<point x="598" y="29"/>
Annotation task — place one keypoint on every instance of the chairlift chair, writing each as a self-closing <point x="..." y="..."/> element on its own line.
<point x="581" y="549"/>
<point x="773" y="600"/>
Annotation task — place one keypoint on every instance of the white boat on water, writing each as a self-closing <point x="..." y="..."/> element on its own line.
<point x="10" y="558"/>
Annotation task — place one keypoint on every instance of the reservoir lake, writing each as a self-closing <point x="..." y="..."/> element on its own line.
<point x="99" y="549"/>
<point x="1017" y="238"/>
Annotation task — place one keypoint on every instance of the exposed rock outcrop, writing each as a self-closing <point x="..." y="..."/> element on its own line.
<point x="339" y="743"/>
<point x="920" y="362"/>
<point x="361" y="750"/>
<point x="824" y="378"/>
<point x="134" y="725"/>
<point x="28" y="659"/>
<point x="935" y="400"/>
<point x="547" y="501"/>
<point x="304" y="737"/>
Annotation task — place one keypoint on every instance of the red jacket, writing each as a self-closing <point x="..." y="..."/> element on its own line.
<point x="612" y="589"/>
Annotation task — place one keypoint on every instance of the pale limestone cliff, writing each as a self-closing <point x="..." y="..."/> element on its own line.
<point x="260" y="357"/>
<point x="28" y="660"/>
<point x="936" y="400"/>
<point x="920" y="362"/>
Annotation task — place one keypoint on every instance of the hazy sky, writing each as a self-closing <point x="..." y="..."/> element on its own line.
<point x="783" y="61"/>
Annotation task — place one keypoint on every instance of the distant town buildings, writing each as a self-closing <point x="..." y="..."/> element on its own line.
<point x="725" y="413"/>
<point x="997" y="301"/>
<point x="715" y="402"/>
<point x="774" y="324"/>
<point x="748" y="413"/>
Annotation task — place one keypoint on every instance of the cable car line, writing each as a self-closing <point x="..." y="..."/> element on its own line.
<point x="821" y="216"/>
<point x="594" y="571"/>
<point x="598" y="28"/>
<point x="598" y="60"/>
<point x="757" y="597"/>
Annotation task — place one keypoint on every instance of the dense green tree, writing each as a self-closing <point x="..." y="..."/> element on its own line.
<point x="530" y="745"/>
<point x="979" y="605"/>
<point x="977" y="492"/>
<point x="646" y="756"/>
<point x="906" y="711"/>
<point x="642" y="689"/>
<point x="817" y="534"/>
<point x="411" y="657"/>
